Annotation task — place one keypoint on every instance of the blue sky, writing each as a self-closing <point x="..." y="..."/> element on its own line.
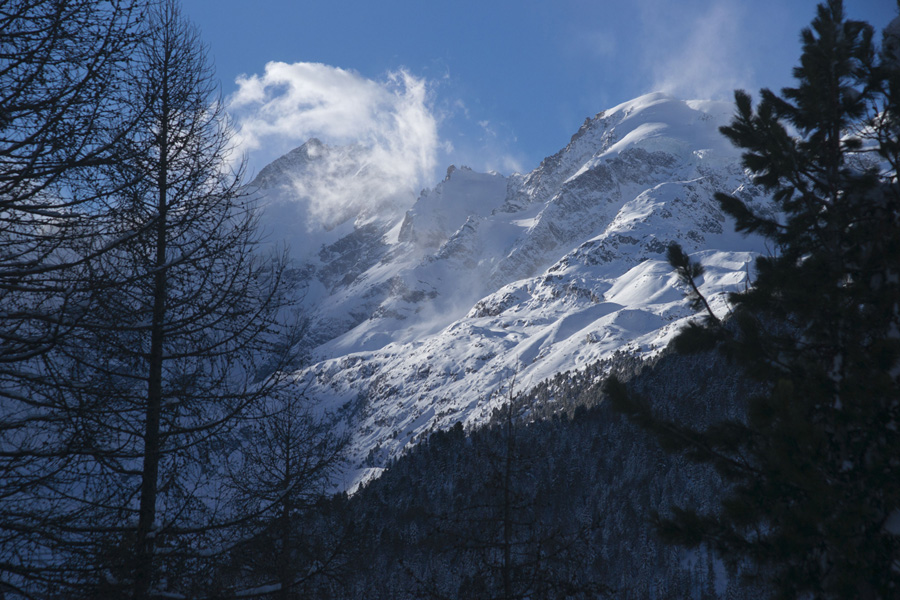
<point x="493" y="84"/>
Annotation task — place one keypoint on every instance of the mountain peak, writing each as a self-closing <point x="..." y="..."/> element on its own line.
<point x="279" y="170"/>
<point x="417" y="319"/>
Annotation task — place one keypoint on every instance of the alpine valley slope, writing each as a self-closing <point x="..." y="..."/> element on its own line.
<point x="422" y="312"/>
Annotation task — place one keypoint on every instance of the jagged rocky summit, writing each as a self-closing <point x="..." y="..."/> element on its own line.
<point x="423" y="308"/>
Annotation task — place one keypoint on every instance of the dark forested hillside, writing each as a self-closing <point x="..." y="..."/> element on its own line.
<point x="552" y="500"/>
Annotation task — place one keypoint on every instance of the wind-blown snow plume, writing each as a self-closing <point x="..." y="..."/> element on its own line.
<point x="389" y="123"/>
<point x="702" y="59"/>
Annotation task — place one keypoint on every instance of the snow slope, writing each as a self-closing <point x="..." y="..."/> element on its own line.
<point x="421" y="317"/>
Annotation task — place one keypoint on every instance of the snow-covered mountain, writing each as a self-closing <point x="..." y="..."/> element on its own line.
<point x="423" y="309"/>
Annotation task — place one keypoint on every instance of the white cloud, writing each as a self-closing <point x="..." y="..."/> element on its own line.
<point x="506" y="163"/>
<point x="459" y="104"/>
<point x="704" y="57"/>
<point x="488" y="130"/>
<point x="390" y="122"/>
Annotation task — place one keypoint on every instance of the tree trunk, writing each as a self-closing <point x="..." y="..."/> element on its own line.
<point x="146" y="536"/>
<point x="507" y="508"/>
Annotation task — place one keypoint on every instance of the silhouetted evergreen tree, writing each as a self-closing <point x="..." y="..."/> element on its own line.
<point x="815" y="463"/>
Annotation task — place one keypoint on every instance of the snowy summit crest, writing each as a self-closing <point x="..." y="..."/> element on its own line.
<point x="484" y="276"/>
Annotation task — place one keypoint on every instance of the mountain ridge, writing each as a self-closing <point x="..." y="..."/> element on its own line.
<point x="487" y="279"/>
